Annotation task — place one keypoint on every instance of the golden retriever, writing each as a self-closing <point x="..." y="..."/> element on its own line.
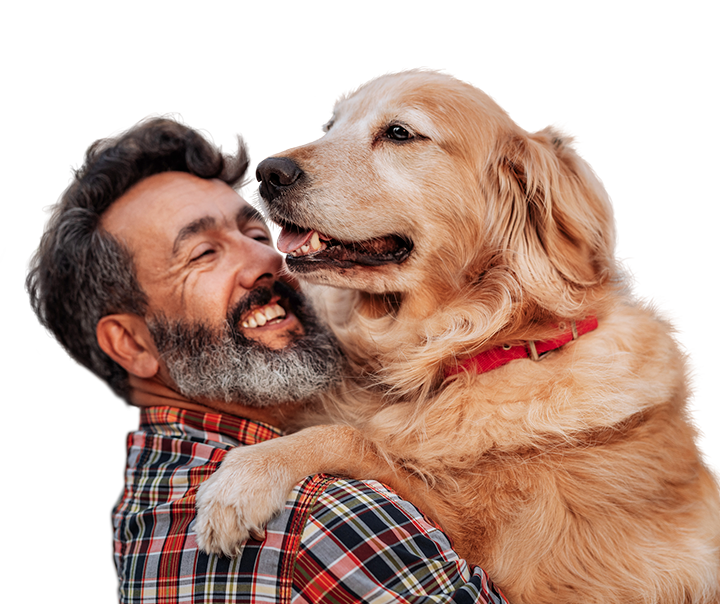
<point x="505" y="380"/>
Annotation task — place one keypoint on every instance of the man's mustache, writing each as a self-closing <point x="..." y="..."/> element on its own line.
<point x="261" y="296"/>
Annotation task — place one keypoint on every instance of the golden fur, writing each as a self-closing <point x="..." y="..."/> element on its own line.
<point x="573" y="479"/>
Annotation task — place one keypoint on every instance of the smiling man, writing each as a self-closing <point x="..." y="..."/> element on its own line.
<point x="157" y="276"/>
<point x="228" y="330"/>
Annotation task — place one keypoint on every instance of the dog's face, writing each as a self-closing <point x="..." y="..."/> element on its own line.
<point x="423" y="184"/>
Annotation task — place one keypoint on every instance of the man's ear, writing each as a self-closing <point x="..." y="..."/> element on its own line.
<point x="126" y="339"/>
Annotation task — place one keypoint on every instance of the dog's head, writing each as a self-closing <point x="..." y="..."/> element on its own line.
<point x="423" y="186"/>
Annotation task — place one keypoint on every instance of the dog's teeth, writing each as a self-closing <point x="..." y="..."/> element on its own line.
<point x="305" y="249"/>
<point x="315" y="242"/>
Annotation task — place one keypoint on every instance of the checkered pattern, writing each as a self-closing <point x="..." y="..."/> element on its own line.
<point x="337" y="541"/>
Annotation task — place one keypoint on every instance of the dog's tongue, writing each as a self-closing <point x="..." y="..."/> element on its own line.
<point x="291" y="240"/>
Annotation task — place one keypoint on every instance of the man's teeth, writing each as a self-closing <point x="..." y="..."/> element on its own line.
<point x="263" y="315"/>
<point x="312" y="246"/>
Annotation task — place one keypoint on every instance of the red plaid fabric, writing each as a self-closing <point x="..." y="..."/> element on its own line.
<point x="337" y="541"/>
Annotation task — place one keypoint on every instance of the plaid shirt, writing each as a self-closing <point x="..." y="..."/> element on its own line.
<point x="337" y="541"/>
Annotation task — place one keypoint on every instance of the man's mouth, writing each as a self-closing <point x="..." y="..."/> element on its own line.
<point x="264" y="315"/>
<point x="308" y="247"/>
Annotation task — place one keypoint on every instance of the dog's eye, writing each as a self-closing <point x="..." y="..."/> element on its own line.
<point x="398" y="133"/>
<point x="328" y="125"/>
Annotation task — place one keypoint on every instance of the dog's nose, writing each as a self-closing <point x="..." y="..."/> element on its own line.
<point x="275" y="174"/>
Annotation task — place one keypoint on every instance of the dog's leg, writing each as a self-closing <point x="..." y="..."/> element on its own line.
<point x="253" y="482"/>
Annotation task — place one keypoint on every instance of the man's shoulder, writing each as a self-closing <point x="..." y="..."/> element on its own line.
<point x="355" y="513"/>
<point x="344" y="498"/>
<point x="172" y="445"/>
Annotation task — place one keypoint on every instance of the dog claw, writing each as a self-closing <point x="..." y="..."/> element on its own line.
<point x="257" y="535"/>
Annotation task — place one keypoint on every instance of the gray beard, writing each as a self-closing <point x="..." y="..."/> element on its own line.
<point x="222" y="364"/>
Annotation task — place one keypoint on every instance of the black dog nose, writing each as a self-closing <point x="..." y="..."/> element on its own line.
<point x="275" y="174"/>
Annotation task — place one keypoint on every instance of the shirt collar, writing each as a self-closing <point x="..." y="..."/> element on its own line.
<point x="247" y="432"/>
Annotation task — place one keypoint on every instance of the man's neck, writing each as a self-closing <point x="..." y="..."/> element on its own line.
<point x="155" y="392"/>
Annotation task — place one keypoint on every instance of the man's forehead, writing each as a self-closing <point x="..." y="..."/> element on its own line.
<point x="169" y="201"/>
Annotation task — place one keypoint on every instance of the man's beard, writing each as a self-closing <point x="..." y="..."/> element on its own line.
<point x="220" y="363"/>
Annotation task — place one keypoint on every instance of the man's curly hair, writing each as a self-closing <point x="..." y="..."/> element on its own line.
<point x="80" y="273"/>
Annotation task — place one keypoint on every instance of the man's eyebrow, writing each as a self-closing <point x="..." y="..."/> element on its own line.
<point x="206" y="223"/>
<point x="247" y="213"/>
<point x="196" y="226"/>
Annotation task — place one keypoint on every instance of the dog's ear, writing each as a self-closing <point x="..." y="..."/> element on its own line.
<point x="556" y="228"/>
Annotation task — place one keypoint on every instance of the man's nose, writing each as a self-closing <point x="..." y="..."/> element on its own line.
<point x="258" y="262"/>
<point x="276" y="175"/>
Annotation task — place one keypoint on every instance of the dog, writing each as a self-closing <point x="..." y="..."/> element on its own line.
<point x="503" y="378"/>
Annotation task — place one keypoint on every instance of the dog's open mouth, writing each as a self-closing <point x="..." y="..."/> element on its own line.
<point x="308" y="249"/>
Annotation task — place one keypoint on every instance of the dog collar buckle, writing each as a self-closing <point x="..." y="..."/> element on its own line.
<point x="532" y="349"/>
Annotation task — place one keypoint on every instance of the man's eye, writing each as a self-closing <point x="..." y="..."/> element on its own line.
<point x="259" y="235"/>
<point x="202" y="254"/>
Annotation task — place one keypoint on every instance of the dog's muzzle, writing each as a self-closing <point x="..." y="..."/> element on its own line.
<point x="276" y="175"/>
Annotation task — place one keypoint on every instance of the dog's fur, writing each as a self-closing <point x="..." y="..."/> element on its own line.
<point x="572" y="479"/>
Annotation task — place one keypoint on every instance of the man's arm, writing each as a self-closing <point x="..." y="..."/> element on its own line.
<point x="361" y="542"/>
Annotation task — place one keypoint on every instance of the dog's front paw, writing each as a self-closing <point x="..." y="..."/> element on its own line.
<point x="237" y="501"/>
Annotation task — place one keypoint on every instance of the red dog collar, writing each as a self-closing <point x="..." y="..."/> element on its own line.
<point x="497" y="357"/>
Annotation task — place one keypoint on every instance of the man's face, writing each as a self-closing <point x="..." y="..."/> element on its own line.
<point x="225" y="327"/>
<point x="199" y="249"/>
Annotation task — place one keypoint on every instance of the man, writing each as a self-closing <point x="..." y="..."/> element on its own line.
<point x="157" y="276"/>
